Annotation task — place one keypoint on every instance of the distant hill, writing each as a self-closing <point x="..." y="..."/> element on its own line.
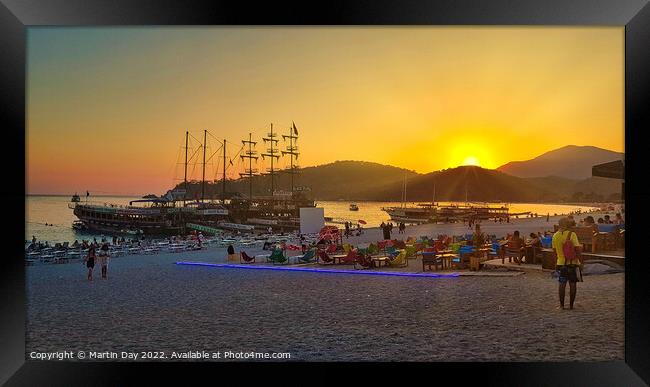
<point x="346" y="180"/>
<point x="360" y="180"/>
<point x="573" y="162"/>
<point x="466" y="182"/>
<point x="590" y="189"/>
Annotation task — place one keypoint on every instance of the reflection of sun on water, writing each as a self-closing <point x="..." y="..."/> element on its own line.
<point x="471" y="160"/>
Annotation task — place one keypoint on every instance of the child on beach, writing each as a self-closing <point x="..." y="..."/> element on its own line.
<point x="103" y="259"/>
<point x="90" y="262"/>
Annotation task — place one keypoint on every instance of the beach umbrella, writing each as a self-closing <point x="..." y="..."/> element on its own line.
<point x="362" y="221"/>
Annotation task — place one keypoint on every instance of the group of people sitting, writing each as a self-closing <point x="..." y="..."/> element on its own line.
<point x="527" y="249"/>
<point x="589" y="221"/>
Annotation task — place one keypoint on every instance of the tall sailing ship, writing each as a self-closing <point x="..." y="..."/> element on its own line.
<point x="175" y="213"/>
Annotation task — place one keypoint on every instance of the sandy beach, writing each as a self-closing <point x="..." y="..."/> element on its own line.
<point x="150" y="304"/>
<point x="524" y="225"/>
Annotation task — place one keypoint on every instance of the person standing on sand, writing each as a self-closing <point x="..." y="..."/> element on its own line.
<point x="231" y="253"/>
<point x="548" y="214"/>
<point x="103" y="259"/>
<point x="566" y="241"/>
<point x="90" y="262"/>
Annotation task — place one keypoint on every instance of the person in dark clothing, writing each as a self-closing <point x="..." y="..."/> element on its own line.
<point x="90" y="262"/>
<point x="386" y="230"/>
<point x="532" y="246"/>
<point x="231" y="253"/>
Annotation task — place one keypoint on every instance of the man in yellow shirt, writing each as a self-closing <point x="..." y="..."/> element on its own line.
<point x="566" y="268"/>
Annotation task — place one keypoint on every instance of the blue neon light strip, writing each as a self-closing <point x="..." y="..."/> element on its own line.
<point x="303" y="269"/>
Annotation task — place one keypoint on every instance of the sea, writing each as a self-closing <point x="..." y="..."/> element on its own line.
<point x="49" y="218"/>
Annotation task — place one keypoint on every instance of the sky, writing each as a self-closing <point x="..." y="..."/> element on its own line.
<point x="108" y="108"/>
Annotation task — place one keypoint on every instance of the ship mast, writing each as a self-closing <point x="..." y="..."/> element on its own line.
<point x="404" y="191"/>
<point x="433" y="201"/>
<point x="187" y="134"/>
<point x="205" y="134"/>
<point x="223" y="186"/>
<point x="250" y="154"/>
<point x="292" y="151"/>
<point x="272" y="153"/>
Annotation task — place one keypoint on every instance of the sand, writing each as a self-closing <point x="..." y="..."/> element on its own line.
<point x="524" y="225"/>
<point x="150" y="304"/>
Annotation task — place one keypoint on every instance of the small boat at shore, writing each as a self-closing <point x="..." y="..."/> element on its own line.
<point x="354" y="207"/>
<point x="75" y="199"/>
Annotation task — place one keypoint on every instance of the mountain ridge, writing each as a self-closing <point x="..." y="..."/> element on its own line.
<point x="572" y="161"/>
<point x="364" y="180"/>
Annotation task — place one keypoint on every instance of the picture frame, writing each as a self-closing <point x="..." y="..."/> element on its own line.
<point x="16" y="16"/>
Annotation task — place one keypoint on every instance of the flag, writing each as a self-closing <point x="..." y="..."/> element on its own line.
<point x="294" y="128"/>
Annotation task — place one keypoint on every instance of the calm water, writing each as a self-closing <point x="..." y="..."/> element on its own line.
<point x="371" y="211"/>
<point x="54" y="210"/>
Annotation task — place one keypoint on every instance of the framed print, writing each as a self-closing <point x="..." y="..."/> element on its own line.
<point x="436" y="186"/>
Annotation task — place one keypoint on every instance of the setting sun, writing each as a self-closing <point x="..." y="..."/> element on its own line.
<point x="471" y="160"/>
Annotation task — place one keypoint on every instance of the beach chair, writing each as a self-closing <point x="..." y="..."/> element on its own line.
<point x="372" y="249"/>
<point x="323" y="258"/>
<point x="363" y="261"/>
<point x="391" y="251"/>
<point x="347" y="247"/>
<point x="306" y="257"/>
<point x="331" y="248"/>
<point x="410" y="251"/>
<point x="350" y="259"/>
<point x="399" y="260"/>
<point x="277" y="256"/>
<point x="245" y="258"/>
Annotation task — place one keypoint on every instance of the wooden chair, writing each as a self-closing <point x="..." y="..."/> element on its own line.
<point x="509" y="251"/>
<point x="429" y="260"/>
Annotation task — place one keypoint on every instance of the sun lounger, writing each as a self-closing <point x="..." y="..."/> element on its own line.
<point x="350" y="258"/>
<point x="277" y="256"/>
<point x="399" y="260"/>
<point x="363" y="261"/>
<point x="308" y="256"/>
<point x="245" y="258"/>
<point x="323" y="258"/>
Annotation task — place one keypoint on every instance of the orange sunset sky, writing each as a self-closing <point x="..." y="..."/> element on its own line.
<point x="107" y="108"/>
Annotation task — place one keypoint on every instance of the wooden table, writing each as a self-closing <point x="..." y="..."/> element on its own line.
<point x="376" y="261"/>
<point x="338" y="257"/>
